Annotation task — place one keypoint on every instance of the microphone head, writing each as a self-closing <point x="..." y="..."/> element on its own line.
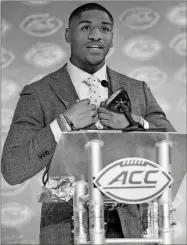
<point x="105" y="84"/>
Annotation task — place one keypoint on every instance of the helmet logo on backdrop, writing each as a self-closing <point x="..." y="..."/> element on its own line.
<point x="133" y="180"/>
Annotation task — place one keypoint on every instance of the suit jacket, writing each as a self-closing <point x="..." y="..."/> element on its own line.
<point x="30" y="143"/>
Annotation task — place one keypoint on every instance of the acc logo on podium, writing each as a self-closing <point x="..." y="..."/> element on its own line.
<point x="133" y="180"/>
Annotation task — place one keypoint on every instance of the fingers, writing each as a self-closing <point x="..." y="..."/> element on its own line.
<point x="84" y="101"/>
<point x="87" y="101"/>
<point x="104" y="122"/>
<point x="95" y="119"/>
<point x="102" y="104"/>
<point x="104" y="119"/>
<point x="94" y="113"/>
<point x="102" y="110"/>
<point x="92" y="107"/>
<point x="103" y="116"/>
<point x="102" y="113"/>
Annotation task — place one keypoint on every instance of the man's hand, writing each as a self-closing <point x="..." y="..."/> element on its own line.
<point x="82" y="114"/>
<point x="113" y="119"/>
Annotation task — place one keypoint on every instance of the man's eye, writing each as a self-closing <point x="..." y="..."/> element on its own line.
<point x="105" y="29"/>
<point x="85" y="28"/>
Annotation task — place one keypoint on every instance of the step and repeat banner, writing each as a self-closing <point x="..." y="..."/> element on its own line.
<point x="149" y="45"/>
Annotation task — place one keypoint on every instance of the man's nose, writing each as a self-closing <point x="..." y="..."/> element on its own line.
<point x="95" y="34"/>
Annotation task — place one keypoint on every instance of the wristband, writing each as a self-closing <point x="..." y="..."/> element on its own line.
<point x="70" y="123"/>
<point x="62" y="121"/>
<point x="144" y="123"/>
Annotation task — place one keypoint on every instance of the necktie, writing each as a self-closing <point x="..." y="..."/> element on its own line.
<point x="94" y="94"/>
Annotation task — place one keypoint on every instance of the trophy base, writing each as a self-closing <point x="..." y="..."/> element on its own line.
<point x="133" y="128"/>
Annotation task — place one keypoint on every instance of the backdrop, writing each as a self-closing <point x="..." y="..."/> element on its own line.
<point x="149" y="45"/>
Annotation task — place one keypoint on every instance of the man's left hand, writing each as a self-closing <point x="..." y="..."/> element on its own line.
<point x="113" y="119"/>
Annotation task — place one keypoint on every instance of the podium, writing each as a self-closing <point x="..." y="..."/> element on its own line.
<point x="83" y="154"/>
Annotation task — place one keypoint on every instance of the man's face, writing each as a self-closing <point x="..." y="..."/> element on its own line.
<point x="90" y="38"/>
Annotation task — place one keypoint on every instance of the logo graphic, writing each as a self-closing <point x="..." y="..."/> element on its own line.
<point x="5" y="26"/>
<point x="142" y="47"/>
<point x="133" y="180"/>
<point x="7" y="58"/>
<point x="44" y="55"/>
<point x="178" y="43"/>
<point x="9" y="89"/>
<point x="181" y="74"/>
<point x="41" y="25"/>
<point x="153" y="76"/>
<point x="15" y="214"/>
<point x="177" y="15"/>
<point x="139" y="18"/>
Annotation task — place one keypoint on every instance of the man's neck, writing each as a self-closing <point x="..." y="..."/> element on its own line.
<point x="89" y="68"/>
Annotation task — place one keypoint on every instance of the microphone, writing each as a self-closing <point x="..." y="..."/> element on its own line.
<point x="106" y="84"/>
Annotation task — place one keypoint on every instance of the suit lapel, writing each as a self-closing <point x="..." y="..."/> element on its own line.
<point x="63" y="87"/>
<point x="117" y="80"/>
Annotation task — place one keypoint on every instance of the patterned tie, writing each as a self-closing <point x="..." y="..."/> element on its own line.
<point x="94" y="94"/>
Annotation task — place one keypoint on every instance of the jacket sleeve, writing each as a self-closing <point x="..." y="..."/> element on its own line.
<point x="154" y="114"/>
<point x="30" y="144"/>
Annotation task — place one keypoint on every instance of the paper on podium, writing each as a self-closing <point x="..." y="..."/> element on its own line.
<point x="71" y="156"/>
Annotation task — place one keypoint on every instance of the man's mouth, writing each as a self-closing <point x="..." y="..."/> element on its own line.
<point x="94" y="47"/>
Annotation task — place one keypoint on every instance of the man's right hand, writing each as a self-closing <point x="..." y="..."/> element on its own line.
<point x="82" y="114"/>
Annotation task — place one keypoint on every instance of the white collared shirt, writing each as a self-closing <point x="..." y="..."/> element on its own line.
<point x="77" y="77"/>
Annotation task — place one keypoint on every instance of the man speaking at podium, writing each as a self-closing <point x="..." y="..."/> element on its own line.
<point x="72" y="98"/>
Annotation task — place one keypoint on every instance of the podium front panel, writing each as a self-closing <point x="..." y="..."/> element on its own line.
<point x="71" y="156"/>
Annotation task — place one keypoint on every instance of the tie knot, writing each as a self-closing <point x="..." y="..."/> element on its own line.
<point x="91" y="81"/>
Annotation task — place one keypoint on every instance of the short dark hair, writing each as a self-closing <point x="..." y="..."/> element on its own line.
<point x="89" y="6"/>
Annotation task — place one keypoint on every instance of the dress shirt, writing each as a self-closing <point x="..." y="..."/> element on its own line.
<point x="77" y="77"/>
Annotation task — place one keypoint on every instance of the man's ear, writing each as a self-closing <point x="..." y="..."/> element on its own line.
<point x="68" y="35"/>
